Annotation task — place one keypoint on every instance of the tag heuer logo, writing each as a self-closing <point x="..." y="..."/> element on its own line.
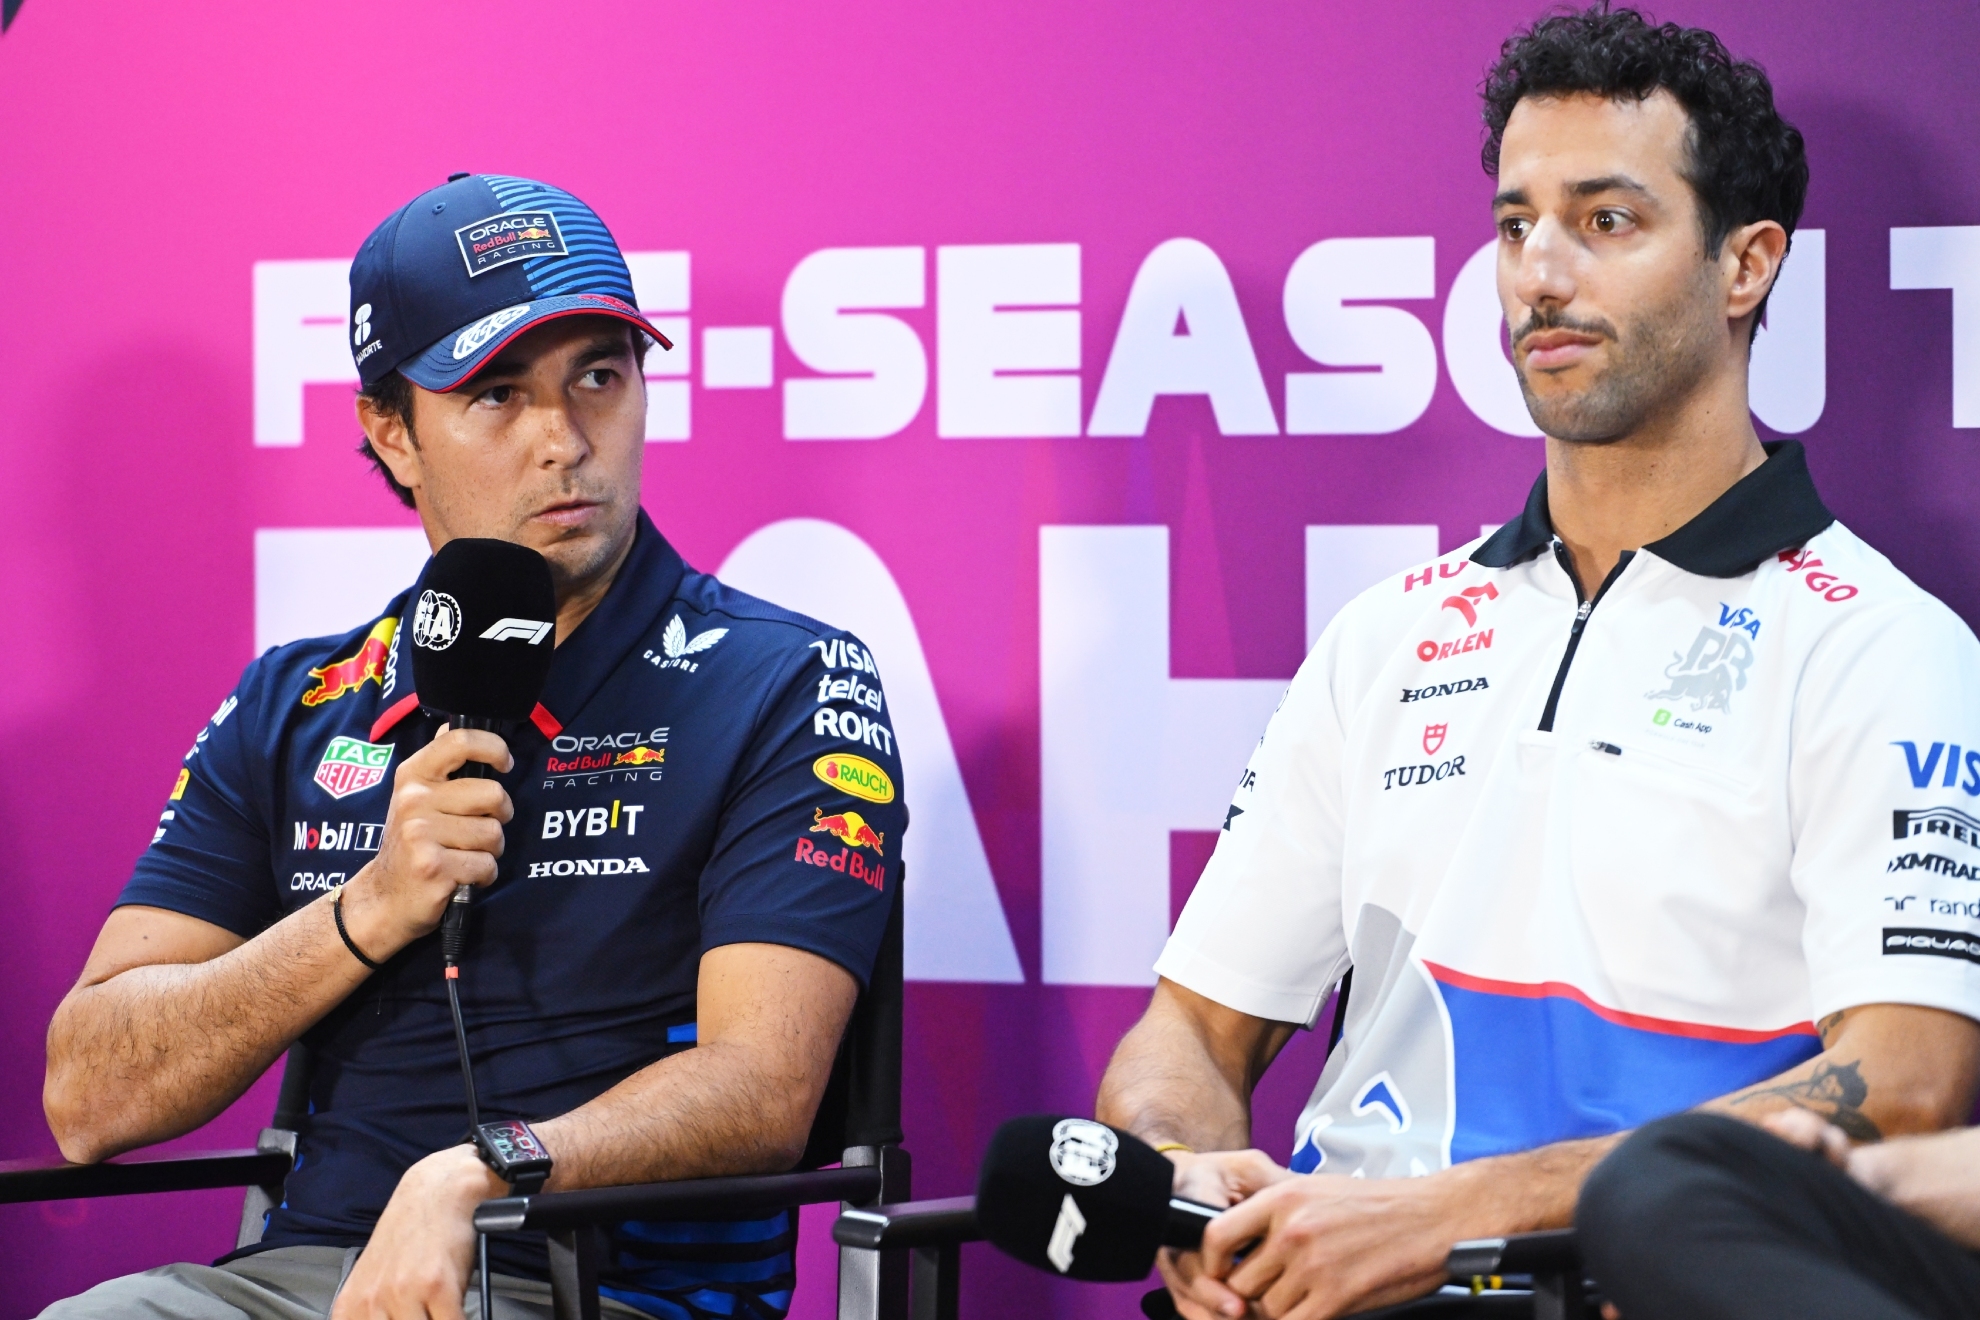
<point x="351" y="765"/>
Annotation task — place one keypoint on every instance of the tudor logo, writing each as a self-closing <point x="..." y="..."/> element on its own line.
<point x="437" y="620"/>
<point x="1084" y="1152"/>
<point x="476" y="336"/>
<point x="509" y="630"/>
<point x="1433" y="737"/>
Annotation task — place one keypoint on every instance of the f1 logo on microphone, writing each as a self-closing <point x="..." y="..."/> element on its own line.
<point x="509" y="630"/>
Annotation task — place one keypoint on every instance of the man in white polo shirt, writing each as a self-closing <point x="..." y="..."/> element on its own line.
<point x="1662" y="796"/>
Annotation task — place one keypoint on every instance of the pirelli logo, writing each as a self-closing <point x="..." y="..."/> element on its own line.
<point x="1946" y="822"/>
<point x="1932" y="943"/>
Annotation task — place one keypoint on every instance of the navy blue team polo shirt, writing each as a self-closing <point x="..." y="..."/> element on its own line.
<point x="704" y="769"/>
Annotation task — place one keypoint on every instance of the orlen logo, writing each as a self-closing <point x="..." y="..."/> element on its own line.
<point x="1465" y="603"/>
<point x="1923" y="768"/>
<point x="1822" y="584"/>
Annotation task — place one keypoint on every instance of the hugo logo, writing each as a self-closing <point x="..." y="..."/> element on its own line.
<point x="1822" y="584"/>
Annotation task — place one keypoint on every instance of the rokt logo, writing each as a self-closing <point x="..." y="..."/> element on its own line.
<point x="853" y="727"/>
<point x="676" y="646"/>
<point x="353" y="672"/>
<point x="1923" y="767"/>
<point x="436" y="620"/>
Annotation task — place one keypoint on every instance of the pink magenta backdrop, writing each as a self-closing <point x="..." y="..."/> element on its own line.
<point x="153" y="153"/>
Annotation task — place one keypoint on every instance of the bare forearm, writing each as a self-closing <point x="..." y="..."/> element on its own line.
<point x="1165" y="1084"/>
<point x="157" y="1050"/>
<point x="1935" y="1177"/>
<point x="703" y="1113"/>
<point x="1525" y="1192"/>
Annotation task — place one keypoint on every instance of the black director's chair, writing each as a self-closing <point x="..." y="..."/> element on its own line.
<point x="1531" y="1276"/>
<point x="858" y="1126"/>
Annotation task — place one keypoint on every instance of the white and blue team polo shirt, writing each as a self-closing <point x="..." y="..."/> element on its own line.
<point x="1595" y="861"/>
<point x="699" y="773"/>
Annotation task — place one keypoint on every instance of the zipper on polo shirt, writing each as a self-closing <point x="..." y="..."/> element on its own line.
<point x="1581" y="614"/>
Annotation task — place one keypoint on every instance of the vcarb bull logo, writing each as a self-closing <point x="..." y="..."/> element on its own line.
<point x="497" y="240"/>
<point x="1709" y="674"/>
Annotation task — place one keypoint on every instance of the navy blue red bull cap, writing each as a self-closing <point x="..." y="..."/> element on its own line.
<point x="459" y="271"/>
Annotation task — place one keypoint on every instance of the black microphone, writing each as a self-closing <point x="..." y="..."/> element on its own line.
<point x="1082" y="1199"/>
<point x="483" y="637"/>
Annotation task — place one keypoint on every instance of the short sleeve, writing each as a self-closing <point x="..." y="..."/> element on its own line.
<point x="808" y="851"/>
<point x="1262" y="932"/>
<point x="209" y="857"/>
<point x="1885" y="798"/>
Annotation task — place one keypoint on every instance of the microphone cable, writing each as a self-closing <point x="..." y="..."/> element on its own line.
<point x="451" y="936"/>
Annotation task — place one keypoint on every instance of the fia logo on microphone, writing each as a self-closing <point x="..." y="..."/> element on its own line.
<point x="1084" y="1152"/>
<point x="437" y="620"/>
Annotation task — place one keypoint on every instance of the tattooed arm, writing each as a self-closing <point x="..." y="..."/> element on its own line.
<point x="1884" y="1070"/>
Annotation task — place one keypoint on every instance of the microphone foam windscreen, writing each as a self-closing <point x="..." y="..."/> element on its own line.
<point x="484" y="625"/>
<point x="1075" y="1197"/>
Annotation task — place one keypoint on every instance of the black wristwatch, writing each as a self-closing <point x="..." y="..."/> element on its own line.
<point x="515" y="1153"/>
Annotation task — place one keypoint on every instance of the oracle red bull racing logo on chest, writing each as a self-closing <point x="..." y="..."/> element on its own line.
<point x="850" y="829"/>
<point x="368" y="665"/>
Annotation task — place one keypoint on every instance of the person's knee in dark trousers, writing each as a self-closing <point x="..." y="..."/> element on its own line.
<point x="1700" y="1216"/>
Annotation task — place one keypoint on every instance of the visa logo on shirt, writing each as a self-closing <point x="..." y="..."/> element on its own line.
<point x="1924" y="768"/>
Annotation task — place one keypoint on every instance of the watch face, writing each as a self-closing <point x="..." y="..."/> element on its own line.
<point x="514" y="1143"/>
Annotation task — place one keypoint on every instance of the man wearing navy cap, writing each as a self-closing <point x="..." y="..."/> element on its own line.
<point x="686" y="863"/>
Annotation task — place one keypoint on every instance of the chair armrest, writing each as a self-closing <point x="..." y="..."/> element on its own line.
<point x="57" y="1180"/>
<point x="1551" y="1252"/>
<point x="909" y="1224"/>
<point x="691" y="1198"/>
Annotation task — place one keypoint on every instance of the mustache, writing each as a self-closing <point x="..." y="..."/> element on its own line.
<point x="1553" y="318"/>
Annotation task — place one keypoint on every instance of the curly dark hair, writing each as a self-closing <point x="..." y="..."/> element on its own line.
<point x="393" y="393"/>
<point x="1746" y="163"/>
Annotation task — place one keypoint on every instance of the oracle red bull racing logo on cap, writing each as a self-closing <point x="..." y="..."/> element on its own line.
<point x="852" y="830"/>
<point x="498" y="240"/>
<point x="353" y="672"/>
<point x="351" y="765"/>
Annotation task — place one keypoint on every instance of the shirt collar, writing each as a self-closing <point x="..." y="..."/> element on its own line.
<point x="1770" y="509"/>
<point x="645" y="584"/>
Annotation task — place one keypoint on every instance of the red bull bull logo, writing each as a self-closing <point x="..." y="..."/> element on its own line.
<point x="353" y="672"/>
<point x="641" y="756"/>
<point x="848" y="827"/>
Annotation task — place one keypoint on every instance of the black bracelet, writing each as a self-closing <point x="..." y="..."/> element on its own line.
<point x="337" y="909"/>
